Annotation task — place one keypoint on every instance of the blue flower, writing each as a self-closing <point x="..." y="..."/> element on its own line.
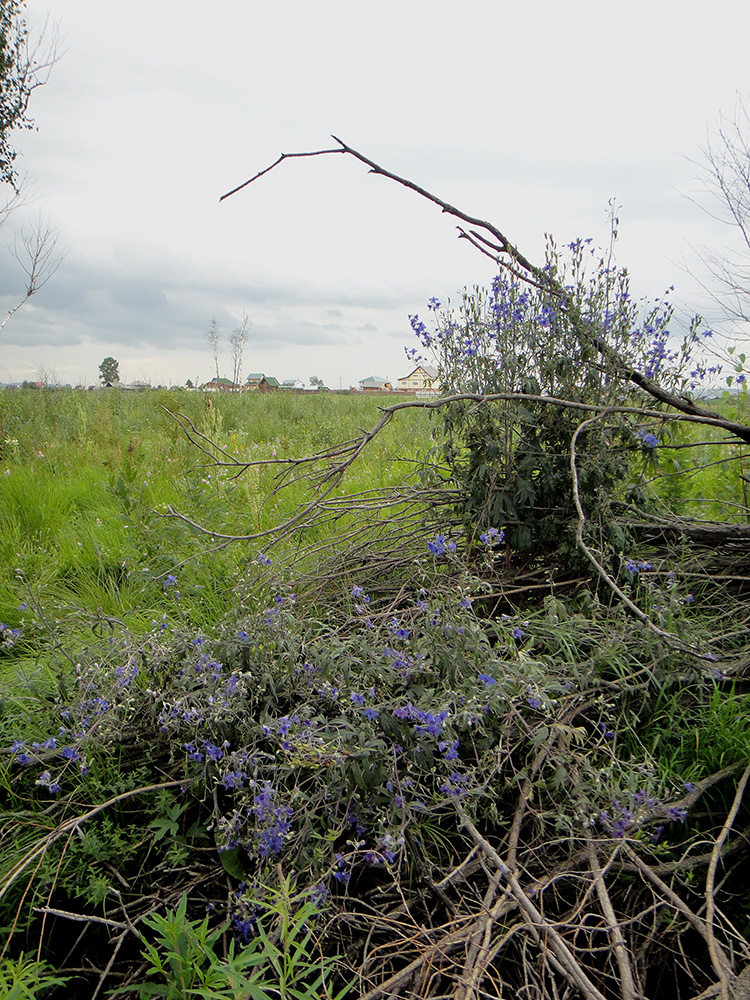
<point x="491" y="537"/>
<point x="518" y="633"/>
<point x="676" y="815"/>
<point x="487" y="680"/>
<point x="647" y="439"/>
<point x="437" y="545"/>
<point x="449" y="749"/>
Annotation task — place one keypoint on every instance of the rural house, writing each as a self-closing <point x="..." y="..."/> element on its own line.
<point x="424" y="378"/>
<point x="220" y="384"/>
<point x="258" y="382"/>
<point x="374" y="384"/>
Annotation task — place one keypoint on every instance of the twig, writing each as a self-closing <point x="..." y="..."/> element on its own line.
<point x="679" y="904"/>
<point x="719" y="968"/>
<point x="616" y="936"/>
<point x="534" y="918"/>
<point x="80" y="917"/>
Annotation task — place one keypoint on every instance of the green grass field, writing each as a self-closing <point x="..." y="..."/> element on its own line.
<point x="190" y="737"/>
<point x="86" y="476"/>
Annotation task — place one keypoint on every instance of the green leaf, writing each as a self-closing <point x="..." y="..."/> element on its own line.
<point x="232" y="863"/>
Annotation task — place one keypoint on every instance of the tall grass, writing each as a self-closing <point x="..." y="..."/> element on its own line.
<point x="85" y="478"/>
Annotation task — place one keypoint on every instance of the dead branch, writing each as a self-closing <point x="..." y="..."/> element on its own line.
<point x="524" y="270"/>
<point x="36" y="252"/>
<point x="710" y="879"/>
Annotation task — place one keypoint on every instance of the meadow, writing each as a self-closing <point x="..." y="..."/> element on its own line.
<point x="220" y="781"/>
<point x="86" y="477"/>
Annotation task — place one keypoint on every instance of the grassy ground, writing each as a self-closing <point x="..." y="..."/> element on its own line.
<point x="85" y="476"/>
<point x="386" y="786"/>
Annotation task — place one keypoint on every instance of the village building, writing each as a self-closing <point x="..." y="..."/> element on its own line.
<point x="424" y="378"/>
<point x="258" y="382"/>
<point x="374" y="384"/>
<point x="220" y="385"/>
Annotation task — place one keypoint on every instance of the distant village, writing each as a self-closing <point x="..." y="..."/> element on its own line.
<point x="422" y="380"/>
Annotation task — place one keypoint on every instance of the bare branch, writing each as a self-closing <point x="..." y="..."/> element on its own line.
<point x="36" y="251"/>
<point x="524" y="269"/>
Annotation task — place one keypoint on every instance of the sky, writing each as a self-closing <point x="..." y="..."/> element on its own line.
<point x="533" y="116"/>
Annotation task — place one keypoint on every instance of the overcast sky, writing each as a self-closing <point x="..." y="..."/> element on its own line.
<point x="531" y="115"/>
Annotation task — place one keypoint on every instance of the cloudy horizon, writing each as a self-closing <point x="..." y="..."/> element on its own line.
<point x="534" y="118"/>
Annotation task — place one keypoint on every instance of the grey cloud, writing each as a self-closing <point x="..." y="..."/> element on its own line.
<point x="292" y="332"/>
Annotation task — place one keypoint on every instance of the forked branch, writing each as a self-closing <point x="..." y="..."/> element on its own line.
<point x="496" y="245"/>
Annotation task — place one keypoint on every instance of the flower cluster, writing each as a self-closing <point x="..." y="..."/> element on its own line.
<point x="635" y="568"/>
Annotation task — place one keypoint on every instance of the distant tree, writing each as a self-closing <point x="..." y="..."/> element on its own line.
<point x="213" y="337"/>
<point x="237" y="341"/>
<point x="109" y="371"/>
<point x="189" y="383"/>
<point x="317" y="382"/>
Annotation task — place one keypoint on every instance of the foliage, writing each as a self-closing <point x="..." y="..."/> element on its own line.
<point x="19" y="76"/>
<point x="345" y="751"/>
<point x="109" y="371"/>
<point x="184" y="954"/>
<point x="514" y="454"/>
<point x="24" y="978"/>
<point x="84" y="477"/>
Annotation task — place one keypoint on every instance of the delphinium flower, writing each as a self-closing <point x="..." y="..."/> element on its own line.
<point x="456" y="785"/>
<point x="273" y="822"/>
<point x="648" y="440"/>
<point x="343" y="872"/>
<point x="637" y="567"/>
<point x="449" y="749"/>
<point x="126" y="673"/>
<point x="441" y="544"/>
<point x="193" y="752"/>
<point x="534" y="700"/>
<point x="396" y="629"/>
<point x="234" y="780"/>
<point x="358" y="594"/>
<point x="437" y="545"/>
<point x="18" y="748"/>
<point x="425" y="722"/>
<point x="8" y="636"/>
<point x="388" y="848"/>
<point x="46" y="781"/>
